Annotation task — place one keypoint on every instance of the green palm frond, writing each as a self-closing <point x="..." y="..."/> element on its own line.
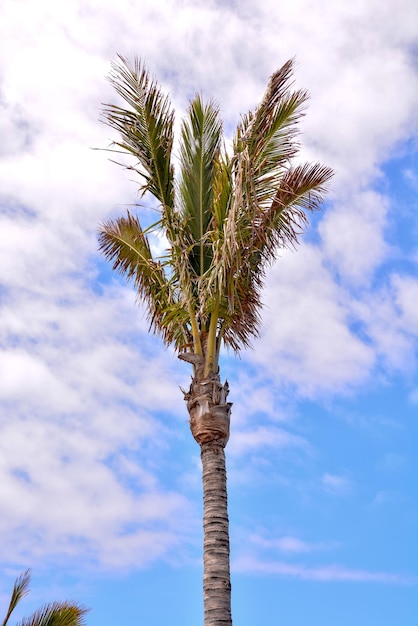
<point x="265" y="139"/>
<point x="53" y="614"/>
<point x="222" y="192"/>
<point x="301" y="189"/>
<point x="56" y="614"/>
<point x="279" y="111"/>
<point x="20" y="590"/>
<point x="201" y="136"/>
<point x="269" y="200"/>
<point x="124" y="242"/>
<point x="263" y="148"/>
<point x="146" y="128"/>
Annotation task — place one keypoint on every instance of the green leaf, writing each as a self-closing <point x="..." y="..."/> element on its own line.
<point x="201" y="135"/>
<point x="145" y="128"/>
<point x="124" y="242"/>
<point x="20" y="590"/>
<point x="56" y="614"/>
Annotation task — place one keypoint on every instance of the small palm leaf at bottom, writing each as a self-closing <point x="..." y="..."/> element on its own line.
<point x="53" y="614"/>
<point x="56" y="614"/>
<point x="20" y="589"/>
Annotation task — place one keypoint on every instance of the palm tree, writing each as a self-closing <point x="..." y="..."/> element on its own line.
<point x="54" y="614"/>
<point x="224" y="215"/>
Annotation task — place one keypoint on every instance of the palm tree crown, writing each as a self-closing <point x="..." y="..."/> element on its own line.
<point x="224" y="213"/>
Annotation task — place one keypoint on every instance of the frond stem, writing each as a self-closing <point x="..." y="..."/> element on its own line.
<point x="197" y="344"/>
<point x="211" y="353"/>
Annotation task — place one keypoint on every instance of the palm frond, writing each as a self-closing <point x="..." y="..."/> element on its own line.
<point x="301" y="189"/>
<point x="56" y="614"/>
<point x="263" y="148"/>
<point x="124" y="242"/>
<point x="20" y="589"/>
<point x="201" y="135"/>
<point x="268" y="203"/>
<point x="222" y="191"/>
<point x="241" y="324"/>
<point x="265" y="139"/>
<point x="146" y="128"/>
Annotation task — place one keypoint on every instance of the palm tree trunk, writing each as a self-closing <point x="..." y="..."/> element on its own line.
<point x="209" y="422"/>
<point x="216" y="576"/>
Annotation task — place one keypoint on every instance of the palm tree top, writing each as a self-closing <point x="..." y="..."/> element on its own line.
<point x="225" y="214"/>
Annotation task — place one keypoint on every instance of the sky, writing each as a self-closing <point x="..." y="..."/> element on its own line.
<point x="100" y="487"/>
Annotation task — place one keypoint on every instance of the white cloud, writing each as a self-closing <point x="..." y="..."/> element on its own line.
<point x="413" y="396"/>
<point x="262" y="437"/>
<point x="254" y="397"/>
<point x="308" y="341"/>
<point x="322" y="337"/>
<point x="78" y="484"/>
<point x="324" y="573"/>
<point x="387" y="498"/>
<point x="391" y="462"/>
<point x="29" y="374"/>
<point x="406" y="298"/>
<point x="336" y="484"/>
<point x="390" y="321"/>
<point x="257" y="555"/>
<point x="289" y="544"/>
<point x="353" y="237"/>
<point x="80" y="387"/>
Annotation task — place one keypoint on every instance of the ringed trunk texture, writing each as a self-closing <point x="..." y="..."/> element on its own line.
<point x="216" y="576"/>
<point x="209" y="422"/>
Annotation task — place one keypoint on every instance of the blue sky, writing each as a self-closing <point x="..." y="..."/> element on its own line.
<point x="100" y="490"/>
